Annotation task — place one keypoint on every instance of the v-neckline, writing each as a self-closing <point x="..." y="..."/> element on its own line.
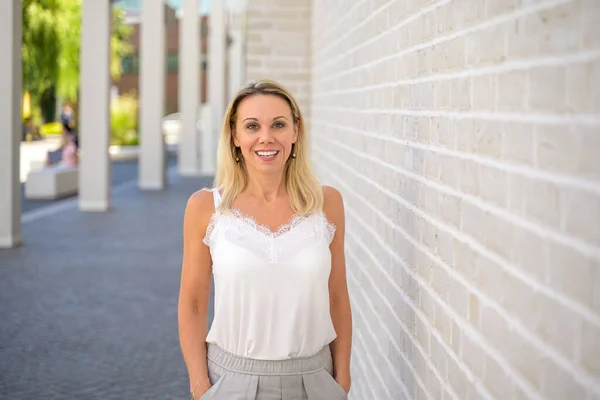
<point x="286" y="227"/>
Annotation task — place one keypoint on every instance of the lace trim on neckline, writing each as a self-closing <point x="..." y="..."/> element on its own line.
<point x="249" y="220"/>
<point x="282" y="230"/>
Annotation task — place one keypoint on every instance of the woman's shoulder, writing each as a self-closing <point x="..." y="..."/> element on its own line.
<point x="333" y="204"/>
<point x="201" y="206"/>
<point x="202" y="199"/>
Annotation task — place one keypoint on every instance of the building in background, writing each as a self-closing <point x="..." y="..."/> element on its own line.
<point x="129" y="80"/>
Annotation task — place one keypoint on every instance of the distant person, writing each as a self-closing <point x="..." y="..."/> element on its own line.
<point x="67" y="117"/>
<point x="70" y="151"/>
<point x="273" y="239"/>
<point x="67" y="153"/>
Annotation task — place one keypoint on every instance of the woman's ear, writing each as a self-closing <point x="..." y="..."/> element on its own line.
<point x="234" y="137"/>
<point x="296" y="131"/>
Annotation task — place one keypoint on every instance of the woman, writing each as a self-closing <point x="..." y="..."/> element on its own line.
<point x="273" y="238"/>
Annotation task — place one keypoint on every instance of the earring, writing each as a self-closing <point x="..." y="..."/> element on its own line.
<point x="237" y="159"/>
<point x="293" y="152"/>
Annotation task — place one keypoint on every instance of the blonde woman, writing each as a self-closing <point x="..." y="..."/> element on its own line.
<point x="273" y="238"/>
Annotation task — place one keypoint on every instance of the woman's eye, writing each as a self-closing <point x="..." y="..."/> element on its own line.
<point x="251" y="126"/>
<point x="279" y="125"/>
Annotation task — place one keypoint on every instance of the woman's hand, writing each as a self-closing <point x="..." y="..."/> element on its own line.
<point x="345" y="382"/>
<point x="201" y="389"/>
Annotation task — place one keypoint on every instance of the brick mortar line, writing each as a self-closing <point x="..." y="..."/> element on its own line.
<point x="363" y="349"/>
<point x="277" y="57"/>
<point x="518" y="13"/>
<point x="575" y="244"/>
<point x="253" y="13"/>
<point x="331" y="28"/>
<point x="363" y="374"/>
<point x="474" y="244"/>
<point x="357" y="348"/>
<point x="443" y="383"/>
<point x="408" y="19"/>
<point x="357" y="306"/>
<point x="587" y="380"/>
<point x="585" y="119"/>
<point x="526" y="171"/>
<point x="507" y="66"/>
<point x="398" y="320"/>
<point x="461" y="322"/>
<point x="304" y="69"/>
<point x="367" y="353"/>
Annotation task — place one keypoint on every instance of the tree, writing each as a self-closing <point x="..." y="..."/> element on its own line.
<point x="70" y="44"/>
<point x="51" y="43"/>
<point x="41" y="46"/>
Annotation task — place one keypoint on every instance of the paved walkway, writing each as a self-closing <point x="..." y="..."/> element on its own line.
<point x="121" y="172"/>
<point x="89" y="302"/>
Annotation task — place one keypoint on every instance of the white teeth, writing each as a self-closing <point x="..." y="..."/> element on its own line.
<point x="266" y="153"/>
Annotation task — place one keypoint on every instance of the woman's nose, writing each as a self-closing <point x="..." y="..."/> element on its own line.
<point x="266" y="135"/>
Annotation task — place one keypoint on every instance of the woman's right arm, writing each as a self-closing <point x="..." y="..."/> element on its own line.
<point x="195" y="290"/>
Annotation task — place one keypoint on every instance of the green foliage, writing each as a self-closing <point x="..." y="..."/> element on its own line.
<point x="124" y="120"/>
<point x="119" y="42"/>
<point x="69" y="28"/>
<point x="51" y="44"/>
<point x="41" y="46"/>
<point x="51" y="128"/>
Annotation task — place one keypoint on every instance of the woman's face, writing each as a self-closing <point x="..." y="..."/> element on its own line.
<point x="265" y="132"/>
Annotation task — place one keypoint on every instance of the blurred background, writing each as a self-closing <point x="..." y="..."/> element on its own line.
<point x="464" y="136"/>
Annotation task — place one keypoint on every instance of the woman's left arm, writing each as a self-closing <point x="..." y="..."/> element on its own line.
<point x="339" y="299"/>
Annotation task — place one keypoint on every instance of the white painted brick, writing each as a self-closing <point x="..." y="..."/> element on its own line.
<point x="556" y="386"/>
<point x="543" y="203"/>
<point x="547" y="89"/>
<point x="496" y="380"/>
<point x="464" y="137"/>
<point x="518" y="142"/>
<point x="512" y="91"/>
<point x="590" y="24"/>
<point x="562" y="38"/>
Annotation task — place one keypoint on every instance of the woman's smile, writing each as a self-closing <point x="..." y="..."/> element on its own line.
<point x="267" y="155"/>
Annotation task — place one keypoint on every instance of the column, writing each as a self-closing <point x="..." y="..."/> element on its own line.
<point x="237" y="65"/>
<point x="216" y="85"/>
<point x="189" y="88"/>
<point x="236" y="51"/>
<point x="10" y="122"/>
<point x="152" y="95"/>
<point x="94" y="121"/>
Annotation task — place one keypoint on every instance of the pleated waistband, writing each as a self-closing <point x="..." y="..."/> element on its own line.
<point x="292" y="366"/>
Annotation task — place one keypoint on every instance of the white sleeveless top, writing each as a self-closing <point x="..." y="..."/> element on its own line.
<point x="271" y="288"/>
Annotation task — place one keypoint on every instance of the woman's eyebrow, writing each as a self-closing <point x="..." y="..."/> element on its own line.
<point x="256" y="119"/>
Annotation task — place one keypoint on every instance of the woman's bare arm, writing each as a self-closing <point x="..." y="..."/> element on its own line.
<point x="341" y="314"/>
<point x="195" y="290"/>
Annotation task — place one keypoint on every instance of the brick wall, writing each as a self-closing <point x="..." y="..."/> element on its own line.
<point x="278" y="45"/>
<point x="465" y="138"/>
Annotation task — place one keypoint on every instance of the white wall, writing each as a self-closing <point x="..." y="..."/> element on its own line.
<point x="465" y="138"/>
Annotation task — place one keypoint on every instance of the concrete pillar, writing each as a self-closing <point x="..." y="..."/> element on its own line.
<point x="216" y="85"/>
<point x="152" y="92"/>
<point x="189" y="88"/>
<point x="94" y="121"/>
<point x="10" y="122"/>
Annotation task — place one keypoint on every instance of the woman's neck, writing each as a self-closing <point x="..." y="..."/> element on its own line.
<point x="265" y="187"/>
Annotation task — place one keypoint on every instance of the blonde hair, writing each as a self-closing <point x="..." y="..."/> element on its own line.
<point x="305" y="191"/>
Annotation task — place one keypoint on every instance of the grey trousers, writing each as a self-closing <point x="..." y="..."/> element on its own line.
<point x="238" y="378"/>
